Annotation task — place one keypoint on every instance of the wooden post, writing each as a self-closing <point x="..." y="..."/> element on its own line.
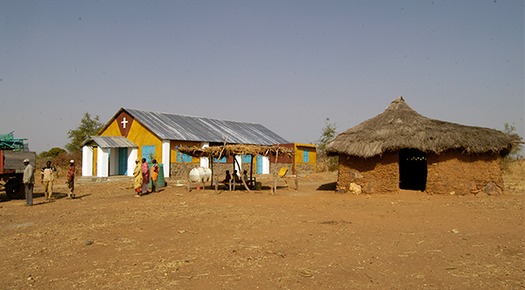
<point x="245" y="185"/>
<point x="276" y="172"/>
<point x="212" y="171"/>
<point x="251" y="168"/>
<point x="216" y="182"/>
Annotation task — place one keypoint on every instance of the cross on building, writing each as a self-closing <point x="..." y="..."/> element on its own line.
<point x="124" y="122"/>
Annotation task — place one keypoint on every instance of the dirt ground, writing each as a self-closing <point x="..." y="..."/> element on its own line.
<point x="310" y="238"/>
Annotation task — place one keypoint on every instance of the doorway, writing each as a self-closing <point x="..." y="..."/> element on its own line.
<point x="412" y="169"/>
<point x="122" y="161"/>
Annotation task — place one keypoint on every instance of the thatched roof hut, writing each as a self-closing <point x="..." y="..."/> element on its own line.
<point x="403" y="139"/>
<point x="400" y="126"/>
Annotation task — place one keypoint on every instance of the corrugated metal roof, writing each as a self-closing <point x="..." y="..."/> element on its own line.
<point x="187" y="128"/>
<point x="110" y="141"/>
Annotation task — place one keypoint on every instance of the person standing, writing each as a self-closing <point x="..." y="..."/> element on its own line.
<point x="70" y="179"/>
<point x="48" y="176"/>
<point x="137" y="178"/>
<point x="29" y="182"/>
<point x="145" y="176"/>
<point x="154" y="175"/>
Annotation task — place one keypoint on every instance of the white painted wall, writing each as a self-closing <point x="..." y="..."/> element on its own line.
<point x="265" y="165"/>
<point x="87" y="161"/>
<point x="132" y="157"/>
<point x="205" y="161"/>
<point x="165" y="158"/>
<point x="102" y="162"/>
<point x="238" y="165"/>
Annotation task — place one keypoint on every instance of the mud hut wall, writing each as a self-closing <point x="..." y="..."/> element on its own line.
<point x="455" y="172"/>
<point x="378" y="174"/>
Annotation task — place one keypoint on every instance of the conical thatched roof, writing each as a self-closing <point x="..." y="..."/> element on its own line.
<point x="399" y="127"/>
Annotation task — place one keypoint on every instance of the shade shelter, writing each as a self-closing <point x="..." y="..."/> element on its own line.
<point x="217" y="152"/>
<point x="401" y="149"/>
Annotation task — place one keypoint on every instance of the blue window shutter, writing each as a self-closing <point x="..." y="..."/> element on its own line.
<point x="305" y="156"/>
<point x="222" y="160"/>
<point x="182" y="157"/>
<point x="246" y="158"/>
<point x="147" y="152"/>
<point x="187" y="158"/>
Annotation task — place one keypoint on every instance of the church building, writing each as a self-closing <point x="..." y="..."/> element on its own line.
<point x="135" y="134"/>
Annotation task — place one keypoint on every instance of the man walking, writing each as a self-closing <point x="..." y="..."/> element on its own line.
<point x="70" y="178"/>
<point x="48" y="176"/>
<point x="29" y="182"/>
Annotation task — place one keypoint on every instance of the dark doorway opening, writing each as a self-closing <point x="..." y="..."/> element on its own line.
<point x="412" y="169"/>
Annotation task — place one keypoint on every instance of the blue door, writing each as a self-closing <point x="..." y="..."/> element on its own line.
<point x="122" y="161"/>
<point x="148" y="152"/>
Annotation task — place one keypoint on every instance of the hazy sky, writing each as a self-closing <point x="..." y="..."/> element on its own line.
<point x="288" y="65"/>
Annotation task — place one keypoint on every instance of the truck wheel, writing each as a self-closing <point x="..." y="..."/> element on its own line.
<point x="14" y="188"/>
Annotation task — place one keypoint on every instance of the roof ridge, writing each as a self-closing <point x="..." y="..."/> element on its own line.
<point x="190" y="116"/>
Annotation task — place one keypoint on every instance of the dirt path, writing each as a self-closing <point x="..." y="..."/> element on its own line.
<point x="304" y="239"/>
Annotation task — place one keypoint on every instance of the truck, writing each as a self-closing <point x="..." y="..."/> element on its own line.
<point x="12" y="154"/>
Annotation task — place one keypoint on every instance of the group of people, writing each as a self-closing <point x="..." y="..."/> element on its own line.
<point x="142" y="176"/>
<point x="48" y="174"/>
<point x="236" y="179"/>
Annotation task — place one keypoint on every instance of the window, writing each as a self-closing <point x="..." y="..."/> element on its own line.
<point x="182" y="157"/>
<point x="305" y="156"/>
<point x="148" y="152"/>
<point x="222" y="160"/>
<point x="246" y="158"/>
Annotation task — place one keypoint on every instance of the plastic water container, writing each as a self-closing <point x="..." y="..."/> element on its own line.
<point x="194" y="175"/>
<point x="161" y="182"/>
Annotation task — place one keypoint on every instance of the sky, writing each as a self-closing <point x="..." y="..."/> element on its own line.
<point x="292" y="66"/>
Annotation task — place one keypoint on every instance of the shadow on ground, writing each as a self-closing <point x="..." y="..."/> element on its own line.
<point x="328" y="186"/>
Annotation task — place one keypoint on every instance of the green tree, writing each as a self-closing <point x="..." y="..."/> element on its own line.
<point x="515" y="152"/>
<point x="88" y="126"/>
<point x="52" y="153"/>
<point x="328" y="134"/>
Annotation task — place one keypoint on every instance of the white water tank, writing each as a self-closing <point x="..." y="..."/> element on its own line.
<point x="200" y="174"/>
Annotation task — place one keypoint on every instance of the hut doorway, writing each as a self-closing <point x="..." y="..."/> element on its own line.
<point x="412" y="169"/>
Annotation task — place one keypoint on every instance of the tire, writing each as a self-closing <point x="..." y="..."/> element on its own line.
<point x="14" y="188"/>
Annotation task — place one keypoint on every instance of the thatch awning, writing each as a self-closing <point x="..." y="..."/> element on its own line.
<point x="401" y="127"/>
<point x="231" y="150"/>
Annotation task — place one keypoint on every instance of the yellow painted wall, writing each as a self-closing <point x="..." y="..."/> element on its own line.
<point x="111" y="130"/>
<point x="94" y="169"/>
<point x="139" y="135"/>
<point x="299" y="150"/>
<point x="173" y="150"/>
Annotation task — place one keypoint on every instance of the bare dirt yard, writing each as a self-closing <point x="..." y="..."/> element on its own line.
<point x="310" y="238"/>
